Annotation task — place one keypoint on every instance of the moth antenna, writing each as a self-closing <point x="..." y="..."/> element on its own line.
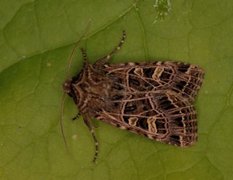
<point x="106" y="58"/>
<point x="69" y="59"/>
<point x="91" y="128"/>
<point x="84" y="54"/>
<point x="76" y="46"/>
<point x="61" y="120"/>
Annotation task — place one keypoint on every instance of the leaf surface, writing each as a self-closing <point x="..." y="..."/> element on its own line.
<point x="36" y="38"/>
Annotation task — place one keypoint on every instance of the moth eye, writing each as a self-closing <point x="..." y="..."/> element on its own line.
<point x="68" y="89"/>
<point x="67" y="86"/>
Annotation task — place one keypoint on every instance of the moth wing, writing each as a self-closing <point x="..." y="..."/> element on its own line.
<point x="155" y="100"/>
<point x="184" y="79"/>
<point x="175" y="122"/>
<point x="162" y="116"/>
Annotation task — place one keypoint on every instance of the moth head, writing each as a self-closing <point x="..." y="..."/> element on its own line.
<point x="67" y="87"/>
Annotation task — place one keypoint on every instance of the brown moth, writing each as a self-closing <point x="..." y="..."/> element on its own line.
<point x="154" y="99"/>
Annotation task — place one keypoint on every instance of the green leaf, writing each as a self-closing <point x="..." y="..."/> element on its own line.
<point x="35" y="41"/>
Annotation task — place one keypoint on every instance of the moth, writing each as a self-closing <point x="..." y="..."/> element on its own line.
<point x="153" y="99"/>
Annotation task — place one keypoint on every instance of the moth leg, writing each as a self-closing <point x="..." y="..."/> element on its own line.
<point x="84" y="54"/>
<point x="91" y="129"/>
<point x="105" y="59"/>
<point x="76" y="116"/>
